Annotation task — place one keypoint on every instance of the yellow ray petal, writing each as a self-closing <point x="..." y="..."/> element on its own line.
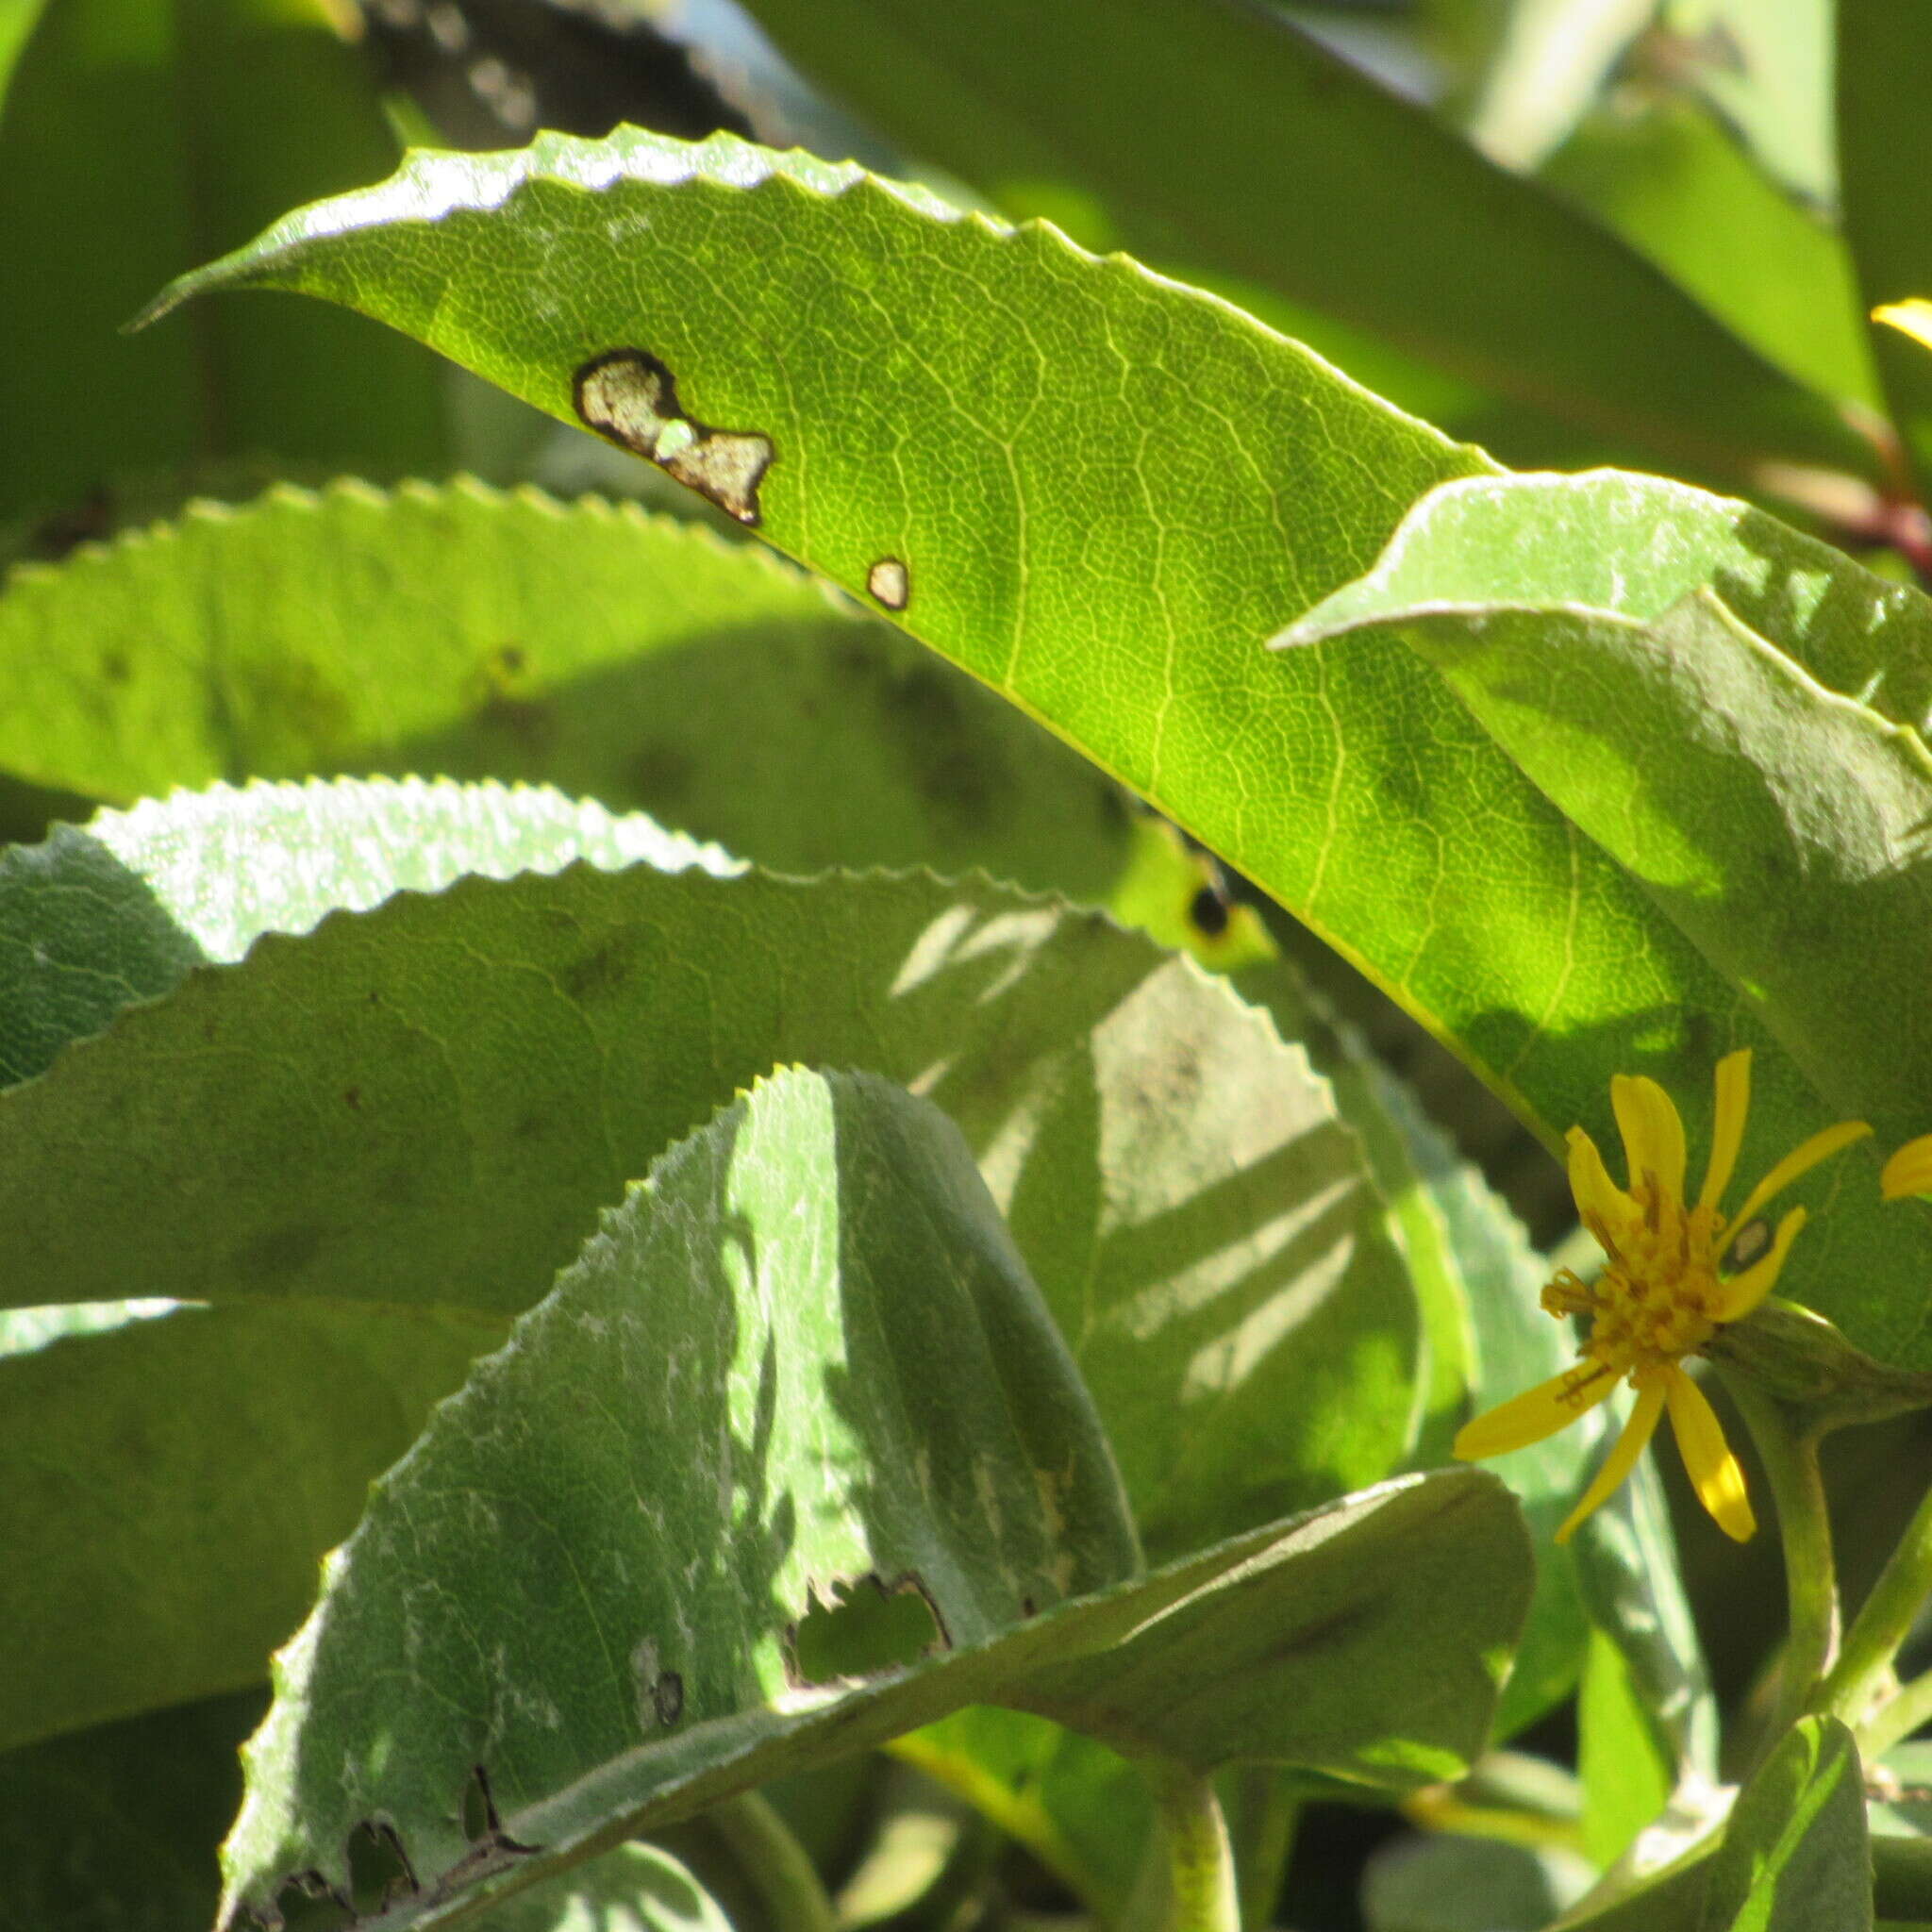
<point x="1914" y="318"/>
<point x="1798" y="1161"/>
<point x="1534" y="1414"/>
<point x="1742" y="1292"/>
<point x="1728" y="1134"/>
<point x="1622" y="1458"/>
<point x="1598" y="1198"/>
<point x="1653" y="1133"/>
<point x="1714" y="1472"/>
<point x="1909" y="1171"/>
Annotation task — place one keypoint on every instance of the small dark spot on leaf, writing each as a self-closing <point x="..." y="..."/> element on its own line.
<point x="667" y="1698"/>
<point x="889" y="583"/>
<point x="1027" y="1606"/>
<point x="278" y="1253"/>
<point x="352" y="1098"/>
<point x="630" y="398"/>
<point x="530" y="721"/>
<point x="114" y="667"/>
<point x="662" y="773"/>
<point x="511" y="659"/>
<point x="1207" y="911"/>
<point x="599" y="971"/>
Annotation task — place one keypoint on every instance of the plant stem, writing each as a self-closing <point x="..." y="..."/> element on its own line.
<point x="1266" y="1813"/>
<point x="1897" y="1717"/>
<point x="1188" y="1884"/>
<point x="774" y="1863"/>
<point x="1881" y="1625"/>
<point x="1790" y="1453"/>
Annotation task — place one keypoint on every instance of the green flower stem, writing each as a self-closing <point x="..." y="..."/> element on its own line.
<point x="1897" y="1717"/>
<point x="1266" y="1810"/>
<point x="1187" y="1883"/>
<point x="1864" y="1669"/>
<point x="774" y="1863"/>
<point x="1789" y="1449"/>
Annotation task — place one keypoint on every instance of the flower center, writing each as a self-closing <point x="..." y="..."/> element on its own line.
<point x="1660" y="1296"/>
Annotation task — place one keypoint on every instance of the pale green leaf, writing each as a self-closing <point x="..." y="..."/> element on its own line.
<point x="863" y="1382"/>
<point x="1351" y="784"/>
<point x="463" y="1079"/>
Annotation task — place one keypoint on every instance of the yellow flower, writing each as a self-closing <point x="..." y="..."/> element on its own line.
<point x="1913" y="318"/>
<point x="1910" y="1171"/>
<point x="1663" y="1293"/>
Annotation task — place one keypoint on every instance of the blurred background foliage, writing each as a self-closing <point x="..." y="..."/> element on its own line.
<point x="1700" y="136"/>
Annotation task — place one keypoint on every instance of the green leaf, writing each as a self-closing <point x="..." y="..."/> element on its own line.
<point x="464" y="631"/>
<point x="1884" y="68"/>
<point x="461" y="1080"/>
<point x="1632" y="1587"/>
<point x="1081" y="1809"/>
<point x="1673" y="180"/>
<point x="1071" y="111"/>
<point x="1453" y="1884"/>
<point x="138" y="137"/>
<point x="1628" y="1778"/>
<point x="1478" y="1282"/>
<point x="1382" y="796"/>
<point x="117" y="1827"/>
<point x="102" y="919"/>
<point x="1766" y="65"/>
<point x="176" y="1482"/>
<point x="1550" y="64"/>
<point x="1795" y="1857"/>
<point x="1580" y="621"/>
<point x="632" y="1887"/>
<point x="598" y="1600"/>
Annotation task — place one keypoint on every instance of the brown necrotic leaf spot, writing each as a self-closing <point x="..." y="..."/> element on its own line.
<point x="630" y="398"/>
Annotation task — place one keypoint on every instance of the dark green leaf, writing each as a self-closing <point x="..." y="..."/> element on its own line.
<point x="1071" y="111"/>
<point x="176" y="1482"/>
<point x="1795" y="1857"/>
<point x="116" y="1828"/>
<point x="1673" y="179"/>
<point x="1884" y="68"/>
<point x="137" y="138"/>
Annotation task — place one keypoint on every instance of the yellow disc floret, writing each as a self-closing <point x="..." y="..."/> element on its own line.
<point x="1663" y="1292"/>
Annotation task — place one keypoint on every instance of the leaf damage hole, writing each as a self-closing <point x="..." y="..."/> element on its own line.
<point x="860" y="1626"/>
<point x="380" y="1873"/>
<point x="890" y="584"/>
<point x="630" y="398"/>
